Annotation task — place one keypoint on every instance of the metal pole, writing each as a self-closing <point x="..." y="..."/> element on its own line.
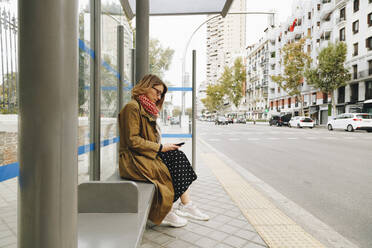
<point x="193" y="109"/>
<point x="120" y="57"/>
<point x="2" y="56"/>
<point x="6" y="52"/>
<point x="16" y="59"/>
<point x="133" y="76"/>
<point x="47" y="134"/>
<point x="142" y="38"/>
<point x="95" y="92"/>
<point x="12" y="87"/>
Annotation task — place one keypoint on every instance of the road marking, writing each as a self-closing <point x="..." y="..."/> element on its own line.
<point x="272" y="138"/>
<point x="312" y="138"/>
<point x="234" y="139"/>
<point x="292" y="138"/>
<point x="275" y="228"/>
<point x="330" y="138"/>
<point x="349" y="137"/>
<point x="253" y="139"/>
<point x="214" y="139"/>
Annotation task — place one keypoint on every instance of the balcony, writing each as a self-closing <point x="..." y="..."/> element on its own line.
<point x="362" y="75"/>
<point x="341" y="21"/>
<point x="297" y="32"/>
<point x="327" y="8"/>
<point x="271" y="36"/>
<point x="325" y="27"/>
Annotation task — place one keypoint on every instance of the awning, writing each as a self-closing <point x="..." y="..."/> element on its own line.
<point x="179" y="7"/>
<point x="368" y="101"/>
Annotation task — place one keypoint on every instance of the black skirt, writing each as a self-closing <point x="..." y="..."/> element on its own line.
<point x="180" y="170"/>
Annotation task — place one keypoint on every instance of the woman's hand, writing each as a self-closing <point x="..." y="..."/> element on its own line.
<point x="169" y="147"/>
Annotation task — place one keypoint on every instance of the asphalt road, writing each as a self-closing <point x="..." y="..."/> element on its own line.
<point x="329" y="174"/>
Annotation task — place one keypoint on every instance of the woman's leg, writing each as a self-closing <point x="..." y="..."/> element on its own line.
<point x="185" y="197"/>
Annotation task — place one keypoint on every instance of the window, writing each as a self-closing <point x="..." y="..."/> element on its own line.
<point x="309" y="15"/>
<point x="368" y="90"/>
<point x="369" y="67"/>
<point x="369" y="43"/>
<point x="355" y="71"/>
<point x="325" y="98"/>
<point x="355" y="49"/>
<point x="342" y="34"/>
<point x="355" y="27"/>
<point x="354" y="92"/>
<point x="369" y="19"/>
<point x="318" y="7"/>
<point x="308" y="48"/>
<point x="356" y="5"/>
<point x="318" y="24"/>
<point x="341" y="95"/>
<point x="309" y="32"/>
<point x="342" y="14"/>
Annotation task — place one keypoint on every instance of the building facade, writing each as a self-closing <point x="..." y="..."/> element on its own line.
<point x="225" y="37"/>
<point x="257" y="64"/>
<point x="322" y="22"/>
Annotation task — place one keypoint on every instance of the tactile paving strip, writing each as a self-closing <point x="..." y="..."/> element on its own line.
<point x="274" y="227"/>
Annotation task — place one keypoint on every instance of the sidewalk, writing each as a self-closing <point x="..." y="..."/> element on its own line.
<point x="226" y="228"/>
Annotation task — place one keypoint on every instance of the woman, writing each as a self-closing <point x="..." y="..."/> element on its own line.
<point x="144" y="158"/>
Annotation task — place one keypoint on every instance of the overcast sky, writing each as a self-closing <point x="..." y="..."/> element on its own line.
<point x="174" y="31"/>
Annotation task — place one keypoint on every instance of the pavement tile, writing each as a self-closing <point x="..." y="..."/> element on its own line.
<point x="207" y="242"/>
<point x="245" y="234"/>
<point x="212" y="224"/>
<point x="179" y="244"/>
<point x="253" y="245"/>
<point x="238" y="223"/>
<point x="222" y="245"/>
<point x="235" y="241"/>
<point x="190" y="237"/>
<point x="9" y="240"/>
<point x="163" y="239"/>
<point x="5" y="233"/>
<point x="222" y="218"/>
<point x="228" y="229"/>
<point x="217" y="235"/>
<point x="257" y="239"/>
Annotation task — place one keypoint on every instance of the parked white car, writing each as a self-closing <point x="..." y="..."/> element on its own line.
<point x="351" y="122"/>
<point x="301" y="121"/>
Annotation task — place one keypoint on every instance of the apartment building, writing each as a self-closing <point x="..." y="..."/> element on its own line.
<point x="225" y="37"/>
<point x="324" y="21"/>
<point x="257" y="64"/>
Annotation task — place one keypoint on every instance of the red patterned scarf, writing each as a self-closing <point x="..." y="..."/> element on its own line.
<point x="148" y="105"/>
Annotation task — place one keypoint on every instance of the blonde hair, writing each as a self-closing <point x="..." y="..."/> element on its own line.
<point x="145" y="84"/>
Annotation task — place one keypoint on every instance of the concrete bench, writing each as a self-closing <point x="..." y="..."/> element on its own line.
<point x="113" y="213"/>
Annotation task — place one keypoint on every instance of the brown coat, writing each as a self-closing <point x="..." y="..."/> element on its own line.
<point x="139" y="160"/>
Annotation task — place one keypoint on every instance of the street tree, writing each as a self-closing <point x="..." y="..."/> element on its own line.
<point x="176" y="111"/>
<point x="330" y="73"/>
<point x="160" y="58"/>
<point x="215" y="98"/>
<point x="232" y="80"/>
<point x="295" y="61"/>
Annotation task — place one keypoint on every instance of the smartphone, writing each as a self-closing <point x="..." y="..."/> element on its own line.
<point x="180" y="144"/>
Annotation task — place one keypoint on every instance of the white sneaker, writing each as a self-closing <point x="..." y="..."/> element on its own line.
<point x="174" y="220"/>
<point x="190" y="210"/>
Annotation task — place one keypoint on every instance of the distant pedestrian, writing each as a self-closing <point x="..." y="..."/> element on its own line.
<point x="144" y="158"/>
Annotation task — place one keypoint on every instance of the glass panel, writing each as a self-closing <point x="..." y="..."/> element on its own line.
<point x="84" y="92"/>
<point x="112" y="16"/>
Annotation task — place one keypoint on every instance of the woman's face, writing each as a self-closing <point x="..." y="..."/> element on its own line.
<point x="155" y="93"/>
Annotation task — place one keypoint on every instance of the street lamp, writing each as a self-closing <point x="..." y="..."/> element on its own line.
<point x="192" y="35"/>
